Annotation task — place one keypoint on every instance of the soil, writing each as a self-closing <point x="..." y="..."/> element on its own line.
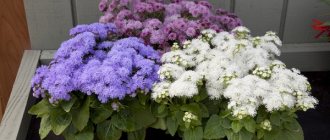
<point x="315" y="122"/>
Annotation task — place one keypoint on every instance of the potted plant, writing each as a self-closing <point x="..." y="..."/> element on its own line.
<point x="175" y="67"/>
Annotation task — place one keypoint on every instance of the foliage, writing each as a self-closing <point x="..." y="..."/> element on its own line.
<point x="79" y="121"/>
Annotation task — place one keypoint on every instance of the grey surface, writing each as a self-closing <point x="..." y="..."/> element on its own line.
<point x="87" y="11"/>
<point x="307" y="56"/>
<point x="48" y="22"/>
<point x="299" y="20"/>
<point x="224" y="4"/>
<point x="16" y="121"/>
<point x="260" y="15"/>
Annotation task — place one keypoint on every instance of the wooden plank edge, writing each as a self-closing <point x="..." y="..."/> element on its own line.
<point x="305" y="47"/>
<point x="46" y="56"/>
<point x="15" y="123"/>
<point x="307" y="56"/>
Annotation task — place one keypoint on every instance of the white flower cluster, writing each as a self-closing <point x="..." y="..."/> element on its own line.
<point x="266" y="125"/>
<point x="188" y="117"/>
<point x="160" y="91"/>
<point x="236" y="66"/>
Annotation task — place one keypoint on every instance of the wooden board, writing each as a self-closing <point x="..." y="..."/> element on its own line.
<point x="49" y="22"/>
<point x="307" y="56"/>
<point x="15" y="122"/>
<point x="87" y="11"/>
<point x="260" y="15"/>
<point x="300" y="14"/>
<point x="14" y="39"/>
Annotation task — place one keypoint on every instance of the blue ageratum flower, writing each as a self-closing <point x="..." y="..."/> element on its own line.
<point x="91" y="63"/>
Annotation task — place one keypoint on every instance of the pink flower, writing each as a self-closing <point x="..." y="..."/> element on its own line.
<point x="191" y="32"/>
<point x="103" y="5"/>
<point x="172" y="36"/>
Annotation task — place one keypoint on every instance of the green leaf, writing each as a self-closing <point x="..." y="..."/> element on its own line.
<point x="67" y="105"/>
<point x="272" y="135"/>
<point x="284" y="134"/>
<point x="193" y="108"/>
<point x="213" y="128"/>
<point x="137" y="135"/>
<point x="86" y="134"/>
<point x="133" y="118"/>
<point x="94" y="102"/>
<point x="100" y="114"/>
<point x="204" y="110"/>
<point x="69" y="132"/>
<point x="143" y="98"/>
<point x="159" y="124"/>
<point x="236" y="126"/>
<point x="232" y="136"/>
<point x="212" y="106"/>
<point x="225" y="113"/>
<point x="290" y="135"/>
<point x="172" y="125"/>
<point x="202" y="95"/>
<point x="260" y="133"/>
<point x="59" y="120"/>
<point x="45" y="127"/>
<point x="249" y="124"/>
<point x="225" y="122"/>
<point x="80" y="116"/>
<point x="107" y="131"/>
<point x="275" y="118"/>
<point x="159" y="110"/>
<point x="41" y="108"/>
<point x="293" y="125"/>
<point x="245" y="135"/>
<point x="193" y="134"/>
<point x="178" y="115"/>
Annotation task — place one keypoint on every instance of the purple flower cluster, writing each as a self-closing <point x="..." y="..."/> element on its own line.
<point x="92" y="64"/>
<point x="160" y="23"/>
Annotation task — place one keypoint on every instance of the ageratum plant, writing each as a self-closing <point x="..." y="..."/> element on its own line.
<point x="230" y="85"/>
<point x="97" y="86"/>
<point x="161" y="22"/>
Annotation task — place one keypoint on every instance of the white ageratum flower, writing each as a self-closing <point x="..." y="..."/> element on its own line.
<point x="160" y="91"/>
<point x="256" y="41"/>
<point x="198" y="49"/>
<point x="188" y="117"/>
<point x="175" y="46"/>
<point x="207" y="35"/>
<point x="272" y="37"/>
<point x="277" y="64"/>
<point x="223" y="40"/>
<point x="262" y="72"/>
<point x="244" y="95"/>
<point x="236" y="66"/>
<point x="197" y="46"/>
<point x="226" y="78"/>
<point x="178" y="57"/>
<point x="183" y="89"/>
<point x="241" y="45"/>
<point x="192" y="76"/>
<point x="266" y="125"/>
<point x="186" y="44"/>
<point x="306" y="102"/>
<point x="186" y="85"/>
<point x="170" y="71"/>
<point x="241" y="32"/>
